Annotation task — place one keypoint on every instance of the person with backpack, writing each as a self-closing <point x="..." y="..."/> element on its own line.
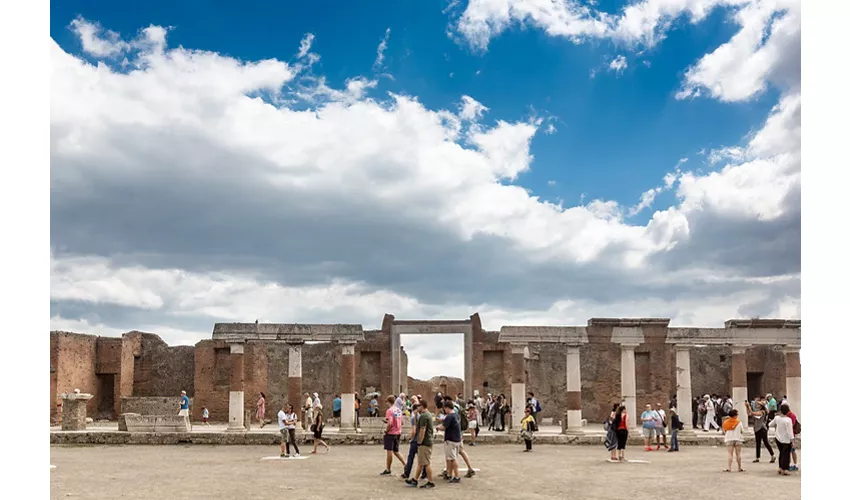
<point x="534" y="403"/>
<point x="528" y="427"/>
<point x="795" y="426"/>
<point x="660" y="427"/>
<point x="784" y="438"/>
<point x="676" y="425"/>
<point x="611" y="434"/>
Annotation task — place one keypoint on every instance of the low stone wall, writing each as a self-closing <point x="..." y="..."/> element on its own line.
<point x="372" y="426"/>
<point x="156" y="423"/>
<point x="155" y="405"/>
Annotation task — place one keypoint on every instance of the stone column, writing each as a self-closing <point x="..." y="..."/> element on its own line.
<point x="293" y="381"/>
<point x="395" y="358"/>
<point x="573" y="388"/>
<point x="683" y="385"/>
<point x="792" y="380"/>
<point x="467" y="364"/>
<point x="627" y="381"/>
<point x="236" y="410"/>
<point x="517" y="386"/>
<point x="739" y="381"/>
<point x="347" y="418"/>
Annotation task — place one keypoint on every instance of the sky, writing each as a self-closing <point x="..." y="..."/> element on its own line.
<point x="540" y="162"/>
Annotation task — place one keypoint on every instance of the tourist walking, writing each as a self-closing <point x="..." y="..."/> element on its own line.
<point x="784" y="437"/>
<point x="317" y="428"/>
<point x="675" y="426"/>
<point x="184" y="408"/>
<point x="771" y="407"/>
<point x="710" y="414"/>
<point x="795" y="427"/>
<point x="205" y="416"/>
<point x="535" y="406"/>
<point x="697" y="412"/>
<point x="760" y="429"/>
<point x="392" y="435"/>
<point x="621" y="425"/>
<point x="337" y="408"/>
<point x="287" y="422"/>
<point x="649" y="421"/>
<point x="452" y="441"/>
<point x="414" y="445"/>
<point x="261" y="410"/>
<point x="424" y="443"/>
<point x="472" y="417"/>
<point x="308" y="410"/>
<point x="733" y="436"/>
<point x="611" y="433"/>
<point x="660" y="427"/>
<point x="529" y="425"/>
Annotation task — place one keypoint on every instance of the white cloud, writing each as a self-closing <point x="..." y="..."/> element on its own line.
<point x="382" y="47"/>
<point x="306" y="45"/>
<point x="186" y="188"/>
<point x="618" y="64"/>
<point x="97" y="41"/>
<point x="470" y="109"/>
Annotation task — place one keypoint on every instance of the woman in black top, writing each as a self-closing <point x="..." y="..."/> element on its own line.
<point x="317" y="428"/>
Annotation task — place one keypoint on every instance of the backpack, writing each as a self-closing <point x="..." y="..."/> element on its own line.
<point x="727" y="406"/>
<point x="702" y="410"/>
<point x="796" y="427"/>
<point x="538" y="408"/>
<point x="464" y="421"/>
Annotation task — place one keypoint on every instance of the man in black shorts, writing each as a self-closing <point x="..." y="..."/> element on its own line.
<point x="392" y="434"/>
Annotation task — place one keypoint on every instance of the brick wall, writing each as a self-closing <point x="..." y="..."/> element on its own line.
<point x="161" y="370"/>
<point x="76" y="358"/>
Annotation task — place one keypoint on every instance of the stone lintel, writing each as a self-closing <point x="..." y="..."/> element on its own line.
<point x="791" y="349"/>
<point x="628" y="322"/>
<point x="740" y="348"/>
<point x="271" y="332"/>
<point x="627" y="335"/>
<point x="733" y="336"/>
<point x="519" y="348"/>
<point x="762" y="323"/>
<point x="76" y="395"/>
<point x="237" y="348"/>
<point x="543" y="334"/>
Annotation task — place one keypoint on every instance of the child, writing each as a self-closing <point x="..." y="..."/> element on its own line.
<point x="528" y="426"/>
<point x="206" y="416"/>
<point x="733" y="430"/>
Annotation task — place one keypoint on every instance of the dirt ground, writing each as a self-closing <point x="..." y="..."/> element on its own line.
<point x="352" y="472"/>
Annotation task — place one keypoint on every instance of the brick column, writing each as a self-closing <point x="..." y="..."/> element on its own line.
<point x="627" y="381"/>
<point x="739" y="381"/>
<point x="517" y="386"/>
<point x="792" y="379"/>
<point x="684" y="396"/>
<point x="236" y="408"/>
<point x="573" y="388"/>
<point x="293" y="381"/>
<point x="347" y="417"/>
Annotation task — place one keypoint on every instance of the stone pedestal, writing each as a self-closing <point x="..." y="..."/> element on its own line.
<point x="74" y="411"/>
<point x="573" y="389"/>
<point x="347" y="421"/>
<point x="236" y="407"/>
<point x="627" y="382"/>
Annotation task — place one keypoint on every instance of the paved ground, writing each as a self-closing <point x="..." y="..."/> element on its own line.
<point x="549" y="472"/>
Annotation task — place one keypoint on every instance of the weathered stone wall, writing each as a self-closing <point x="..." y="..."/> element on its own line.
<point x="429" y="388"/>
<point x="76" y="361"/>
<point x="162" y="370"/>
<point x="154" y="405"/>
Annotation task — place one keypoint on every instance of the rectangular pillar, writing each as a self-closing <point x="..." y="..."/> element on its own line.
<point x="793" y="388"/>
<point x="627" y="382"/>
<point x="517" y="386"/>
<point x="293" y="381"/>
<point x="739" y="381"/>
<point x="395" y="358"/>
<point x="467" y="364"/>
<point x="236" y="407"/>
<point x="347" y="418"/>
<point x="683" y="385"/>
<point x="573" y="388"/>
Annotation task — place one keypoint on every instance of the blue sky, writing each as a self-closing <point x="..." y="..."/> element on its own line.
<point x="692" y="89"/>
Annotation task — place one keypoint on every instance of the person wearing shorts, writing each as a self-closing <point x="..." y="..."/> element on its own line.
<point x="392" y="435"/>
<point x="452" y="441"/>
<point x="424" y="438"/>
<point x="648" y="419"/>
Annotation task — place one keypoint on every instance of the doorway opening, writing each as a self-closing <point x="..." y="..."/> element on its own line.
<point x="755" y="384"/>
<point x="432" y="363"/>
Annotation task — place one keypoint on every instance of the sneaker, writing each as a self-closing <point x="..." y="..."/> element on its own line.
<point x="386" y="473"/>
<point x="772" y="459"/>
<point x="444" y="475"/>
<point x="429" y="484"/>
<point x="756" y="461"/>
<point x="470" y="473"/>
<point x="454" y="480"/>
<point x="658" y="447"/>
<point x="282" y="455"/>
<point x="666" y="447"/>
<point x="404" y="476"/>
<point x="647" y="449"/>
<point x="471" y="444"/>
<point x="412" y="482"/>
<point x="793" y="468"/>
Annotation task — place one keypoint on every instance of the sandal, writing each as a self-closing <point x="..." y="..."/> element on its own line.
<point x="742" y="470"/>
<point x="726" y="470"/>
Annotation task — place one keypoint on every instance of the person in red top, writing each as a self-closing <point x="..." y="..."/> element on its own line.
<point x="793" y="441"/>
<point x="621" y="424"/>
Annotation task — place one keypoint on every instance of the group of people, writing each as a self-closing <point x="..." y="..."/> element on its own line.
<point x="762" y="411"/>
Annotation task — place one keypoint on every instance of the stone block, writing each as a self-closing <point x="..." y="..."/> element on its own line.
<point x="156" y="423"/>
<point x="122" y="421"/>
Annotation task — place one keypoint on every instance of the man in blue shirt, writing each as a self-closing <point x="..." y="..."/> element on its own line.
<point x="184" y="408"/>
<point x="451" y="426"/>
<point x="337" y="406"/>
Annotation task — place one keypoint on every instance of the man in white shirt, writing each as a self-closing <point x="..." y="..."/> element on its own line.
<point x="660" y="427"/>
